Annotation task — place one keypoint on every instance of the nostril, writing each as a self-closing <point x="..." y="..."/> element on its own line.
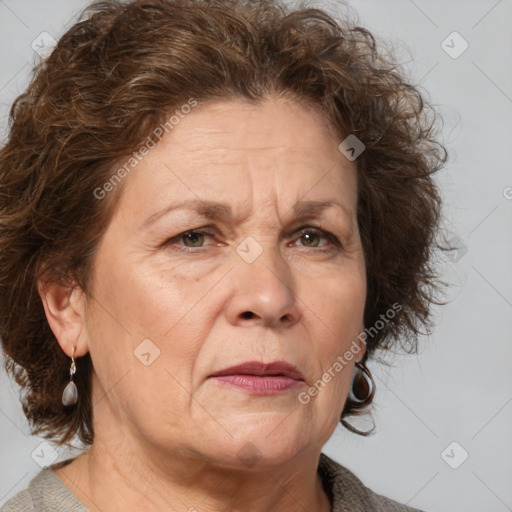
<point x="248" y="314"/>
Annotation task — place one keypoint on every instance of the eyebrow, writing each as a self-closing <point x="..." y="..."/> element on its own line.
<point x="215" y="210"/>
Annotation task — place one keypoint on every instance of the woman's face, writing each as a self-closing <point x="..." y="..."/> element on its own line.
<point x="169" y="311"/>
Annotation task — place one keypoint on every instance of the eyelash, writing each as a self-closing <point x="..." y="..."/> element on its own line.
<point x="306" y="230"/>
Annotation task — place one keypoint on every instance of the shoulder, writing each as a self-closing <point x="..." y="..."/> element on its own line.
<point x="45" y="492"/>
<point x="21" y="502"/>
<point x="348" y="493"/>
<point x="384" y="504"/>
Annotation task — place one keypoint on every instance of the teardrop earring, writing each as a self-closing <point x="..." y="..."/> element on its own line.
<point x="362" y="388"/>
<point x="70" y="393"/>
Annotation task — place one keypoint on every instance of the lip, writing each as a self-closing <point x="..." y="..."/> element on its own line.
<point x="260" y="378"/>
<point x="276" y="368"/>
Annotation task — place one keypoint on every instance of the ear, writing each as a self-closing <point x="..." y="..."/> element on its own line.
<point x="64" y="306"/>
<point x="361" y="343"/>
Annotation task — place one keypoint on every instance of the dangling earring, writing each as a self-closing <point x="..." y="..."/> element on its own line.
<point x="362" y="387"/>
<point x="70" y="394"/>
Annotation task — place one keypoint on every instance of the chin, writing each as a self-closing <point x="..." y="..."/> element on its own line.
<point x="253" y="447"/>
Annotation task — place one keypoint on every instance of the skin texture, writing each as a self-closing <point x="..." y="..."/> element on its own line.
<point x="168" y="437"/>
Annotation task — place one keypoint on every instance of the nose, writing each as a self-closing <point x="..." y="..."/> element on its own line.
<point x="263" y="292"/>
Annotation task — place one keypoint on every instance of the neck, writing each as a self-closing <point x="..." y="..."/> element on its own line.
<point x="121" y="476"/>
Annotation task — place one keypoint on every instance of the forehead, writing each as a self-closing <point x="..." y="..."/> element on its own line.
<point x="275" y="126"/>
<point x="233" y="151"/>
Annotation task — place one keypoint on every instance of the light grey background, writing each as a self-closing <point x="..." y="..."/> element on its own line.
<point x="459" y="388"/>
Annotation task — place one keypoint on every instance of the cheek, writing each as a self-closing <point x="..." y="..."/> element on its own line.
<point x="338" y="315"/>
<point x="166" y="310"/>
<point x="340" y="303"/>
<point x="150" y="300"/>
<point x="145" y="302"/>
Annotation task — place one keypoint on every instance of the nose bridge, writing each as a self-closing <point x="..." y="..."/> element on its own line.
<point x="269" y="264"/>
<point x="263" y="281"/>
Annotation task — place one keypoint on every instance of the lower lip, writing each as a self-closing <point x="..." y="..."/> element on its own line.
<point x="261" y="385"/>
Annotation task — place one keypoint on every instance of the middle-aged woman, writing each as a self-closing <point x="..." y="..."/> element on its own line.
<point x="205" y="209"/>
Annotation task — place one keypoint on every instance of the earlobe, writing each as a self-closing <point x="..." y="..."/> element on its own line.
<point x="65" y="312"/>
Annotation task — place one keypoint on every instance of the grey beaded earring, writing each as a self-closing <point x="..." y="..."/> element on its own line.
<point x="70" y="393"/>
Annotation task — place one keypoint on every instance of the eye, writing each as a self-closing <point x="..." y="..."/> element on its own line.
<point x="192" y="239"/>
<point x="311" y="238"/>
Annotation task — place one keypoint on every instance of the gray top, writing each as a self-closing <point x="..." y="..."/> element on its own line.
<point x="47" y="493"/>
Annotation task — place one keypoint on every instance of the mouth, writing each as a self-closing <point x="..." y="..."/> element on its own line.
<point x="260" y="378"/>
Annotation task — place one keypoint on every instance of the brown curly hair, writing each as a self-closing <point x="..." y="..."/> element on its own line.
<point x="116" y="75"/>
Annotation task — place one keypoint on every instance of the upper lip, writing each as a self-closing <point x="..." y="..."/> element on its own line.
<point x="256" y="368"/>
